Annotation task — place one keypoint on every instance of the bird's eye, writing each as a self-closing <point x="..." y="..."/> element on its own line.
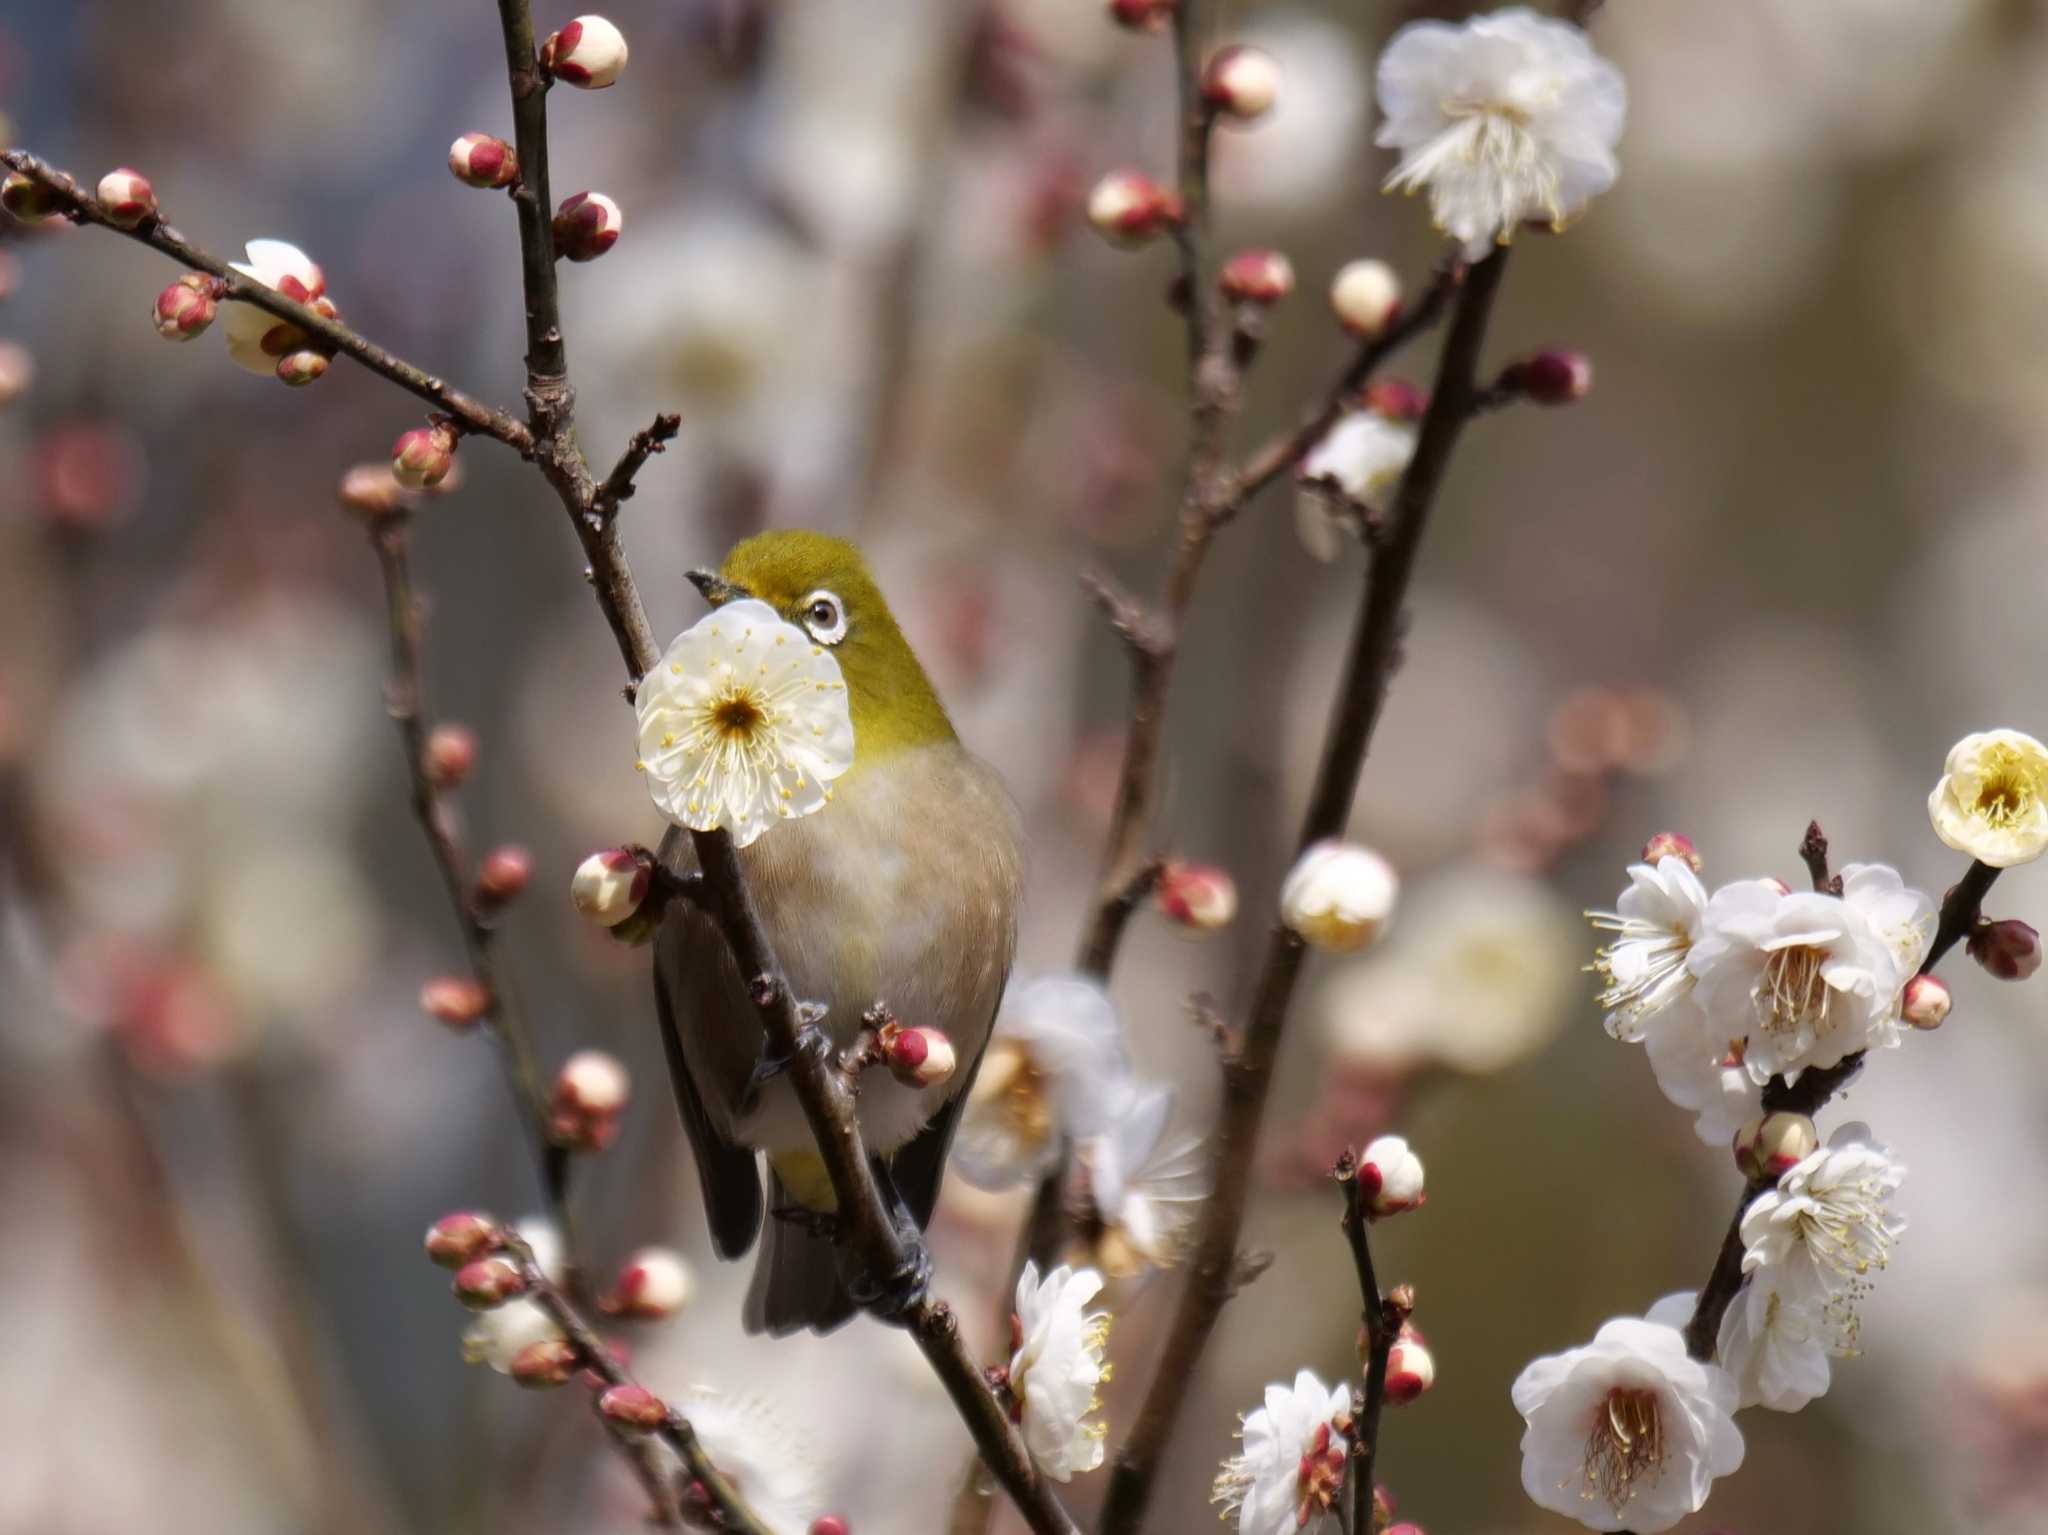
<point x="825" y="618"/>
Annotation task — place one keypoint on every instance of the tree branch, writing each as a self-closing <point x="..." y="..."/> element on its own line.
<point x="1369" y="668"/>
<point x="1382" y="1327"/>
<point x="648" y="441"/>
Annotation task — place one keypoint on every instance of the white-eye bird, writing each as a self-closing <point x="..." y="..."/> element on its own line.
<point x="902" y="889"/>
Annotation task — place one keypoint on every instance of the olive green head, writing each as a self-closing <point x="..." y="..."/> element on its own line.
<point x="823" y="586"/>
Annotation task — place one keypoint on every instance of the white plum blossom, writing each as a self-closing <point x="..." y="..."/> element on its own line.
<point x="1144" y="1187"/>
<point x="744" y="723"/>
<point x="1358" y="463"/>
<point x="764" y="1456"/>
<point x="496" y="1336"/>
<point x="1510" y="117"/>
<point x="1828" y="1227"/>
<point x="1800" y="978"/>
<point x="1776" y="1344"/>
<point x="1338" y="895"/>
<point x="1056" y="1366"/>
<point x="1902" y="919"/>
<point x="1992" y="800"/>
<point x="1655" y="922"/>
<point x="1627" y="1432"/>
<point x="1390" y="1176"/>
<point x="257" y="340"/>
<point x="1291" y="1470"/>
<point x="1054" y="1070"/>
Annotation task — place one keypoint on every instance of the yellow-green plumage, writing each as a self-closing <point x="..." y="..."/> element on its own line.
<point x="903" y="889"/>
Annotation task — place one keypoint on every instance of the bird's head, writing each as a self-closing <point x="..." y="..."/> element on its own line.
<point x="823" y="586"/>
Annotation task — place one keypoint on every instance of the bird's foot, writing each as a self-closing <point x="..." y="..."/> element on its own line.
<point x="810" y="1040"/>
<point x="893" y="1296"/>
<point x="819" y="1223"/>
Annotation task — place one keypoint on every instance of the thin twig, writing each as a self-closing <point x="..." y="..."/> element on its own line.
<point x="1369" y="669"/>
<point x="1813" y="852"/>
<point x="648" y="441"/>
<point x="1381" y="1329"/>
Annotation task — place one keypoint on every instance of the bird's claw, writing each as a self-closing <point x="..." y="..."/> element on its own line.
<point x="893" y="1296"/>
<point x="810" y="1040"/>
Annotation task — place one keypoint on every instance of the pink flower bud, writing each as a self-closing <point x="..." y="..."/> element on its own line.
<point x="28" y="200"/>
<point x="1142" y="15"/>
<point x="609" y="887"/>
<point x="186" y="307"/>
<point x="455" y="1241"/>
<point x="126" y="197"/>
<point x="587" y="225"/>
<point x="633" y="1408"/>
<point x="1673" y="844"/>
<point x="1410" y="1369"/>
<point x="450" y="755"/>
<point x="589" y="53"/>
<point x="1129" y="209"/>
<point x="1390" y="1177"/>
<point x="1366" y="296"/>
<point x="1256" y="277"/>
<point x="1241" y="82"/>
<point x="457" y="1000"/>
<point x="2009" y="949"/>
<point x="487" y="1283"/>
<point x="829" y="1524"/>
<point x="483" y="160"/>
<point x="548" y="1362"/>
<point x="422" y="457"/>
<point x="1768" y="1148"/>
<point x="919" y="1057"/>
<point x="17" y="371"/>
<point x="1397" y="399"/>
<point x="302" y="367"/>
<point x="503" y="876"/>
<point x="1925" y="1002"/>
<point x="371" y="492"/>
<point x="1554" y="377"/>
<point x="652" y="1284"/>
<point x="1197" y="895"/>
<point x="583" y="1110"/>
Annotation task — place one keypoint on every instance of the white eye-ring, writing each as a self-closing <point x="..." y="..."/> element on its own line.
<point x="824" y="615"/>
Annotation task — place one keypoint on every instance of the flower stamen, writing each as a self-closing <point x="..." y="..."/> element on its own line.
<point x="1625" y="1446"/>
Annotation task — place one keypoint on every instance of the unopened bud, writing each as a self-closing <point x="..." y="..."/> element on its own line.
<point x="919" y="1057"/>
<point x="1256" y="277"/>
<point x="1383" y="1505"/>
<point x="1338" y="895"/>
<point x="185" y="308"/>
<point x="17" y="371"/>
<point x="609" y="887"/>
<point x="2009" y="949"/>
<point x="422" y="457"/>
<point x="583" y="1110"/>
<point x="829" y="1524"/>
<point x="1366" y="296"/>
<point x="1673" y="844"/>
<point x="28" y="200"/>
<point x="483" y="160"/>
<point x="1197" y="895"/>
<point x="1390" y="1177"/>
<point x="457" y="1240"/>
<point x="503" y="875"/>
<point x="1768" y="1148"/>
<point x="457" y="1000"/>
<point x="302" y="367"/>
<point x="547" y="1362"/>
<point x="652" y="1284"/>
<point x="1129" y="209"/>
<point x="126" y="197"/>
<point x="1410" y="1369"/>
<point x="589" y="53"/>
<point x="1925" y="1002"/>
<point x="450" y="755"/>
<point x="587" y="225"/>
<point x="1142" y="15"/>
<point x="1555" y="377"/>
<point x="1241" y="82"/>
<point x="633" y="1408"/>
<point x="488" y="1282"/>
<point x="1395" y="399"/>
<point x="371" y="492"/>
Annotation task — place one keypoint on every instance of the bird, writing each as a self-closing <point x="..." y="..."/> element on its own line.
<point x="904" y="890"/>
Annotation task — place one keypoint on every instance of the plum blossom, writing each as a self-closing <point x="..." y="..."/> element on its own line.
<point x="1292" y="1467"/>
<point x="1655" y="922"/>
<point x="1144" y="1186"/>
<point x="1992" y="800"/>
<point x="766" y="1459"/>
<point x="1357" y="464"/>
<point x="1828" y="1225"/>
<point x="1776" y="1344"/>
<point x="1056" y="1366"/>
<point x="257" y="340"/>
<point x="497" y="1336"/>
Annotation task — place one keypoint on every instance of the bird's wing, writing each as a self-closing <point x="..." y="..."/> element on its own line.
<point x="730" y="1177"/>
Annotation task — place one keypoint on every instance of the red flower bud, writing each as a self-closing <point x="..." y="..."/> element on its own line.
<point x="1673" y="844"/>
<point x="488" y="1282"/>
<point x="1197" y="895"/>
<point x="1142" y="15"/>
<point x="1241" y="82"/>
<point x="503" y="876"/>
<point x="610" y="886"/>
<point x="652" y="1284"/>
<point x="550" y="1362"/>
<point x="919" y="1057"/>
<point x="483" y="160"/>
<point x="2009" y="949"/>
<point x="457" y="1000"/>
<point x="1129" y="209"/>
<point x="1398" y="399"/>
<point x="589" y="53"/>
<point x="450" y="754"/>
<point x="422" y="457"/>
<point x="126" y="197"/>
<point x="455" y="1241"/>
<point x="186" y="307"/>
<point x="634" y="1408"/>
<point x="587" y="225"/>
<point x="1768" y="1148"/>
<point x="1554" y="377"/>
<point x="1256" y="277"/>
<point x="829" y="1524"/>
<point x="302" y="367"/>
<point x="1925" y="1002"/>
<point x="583" y="1110"/>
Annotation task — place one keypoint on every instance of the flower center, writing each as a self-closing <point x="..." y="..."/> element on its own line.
<point x="1626" y="1446"/>
<point x="1320" y="1477"/>
<point x="736" y="715"/>
<point x="1792" y="992"/>
<point x="2005" y="796"/>
<point x="1495" y="136"/>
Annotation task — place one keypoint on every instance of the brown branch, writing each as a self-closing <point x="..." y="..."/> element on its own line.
<point x="81" y="207"/>
<point x="1369" y="669"/>
<point x="648" y="441"/>
<point x="675" y="1431"/>
<point x="1382" y="1327"/>
<point x="1813" y="852"/>
<point x="1961" y="908"/>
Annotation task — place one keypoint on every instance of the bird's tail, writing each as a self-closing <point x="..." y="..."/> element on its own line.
<point x="796" y="1280"/>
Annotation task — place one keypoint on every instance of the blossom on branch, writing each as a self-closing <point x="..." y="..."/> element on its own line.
<point x="257" y="340"/>
<point x="1054" y="1071"/>
<point x="1992" y="801"/>
<point x="1828" y="1226"/>
<point x="744" y="723"/>
<point x="768" y="1461"/>
<point x="1655" y="922"/>
<point x="1055" y="1367"/>
<point x="1510" y="117"/>
<point x="1291" y="1470"/>
<point x="498" y="1336"/>
<point x="1338" y="895"/>
<point x="1143" y="1187"/>
<point x="1358" y="463"/>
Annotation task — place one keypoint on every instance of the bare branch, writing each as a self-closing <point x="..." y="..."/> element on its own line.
<point x="1382" y="1326"/>
<point x="648" y="441"/>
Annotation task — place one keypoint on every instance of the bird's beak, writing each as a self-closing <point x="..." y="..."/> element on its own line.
<point x="716" y="589"/>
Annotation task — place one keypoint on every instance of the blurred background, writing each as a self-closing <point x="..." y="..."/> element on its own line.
<point x="1790" y="548"/>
